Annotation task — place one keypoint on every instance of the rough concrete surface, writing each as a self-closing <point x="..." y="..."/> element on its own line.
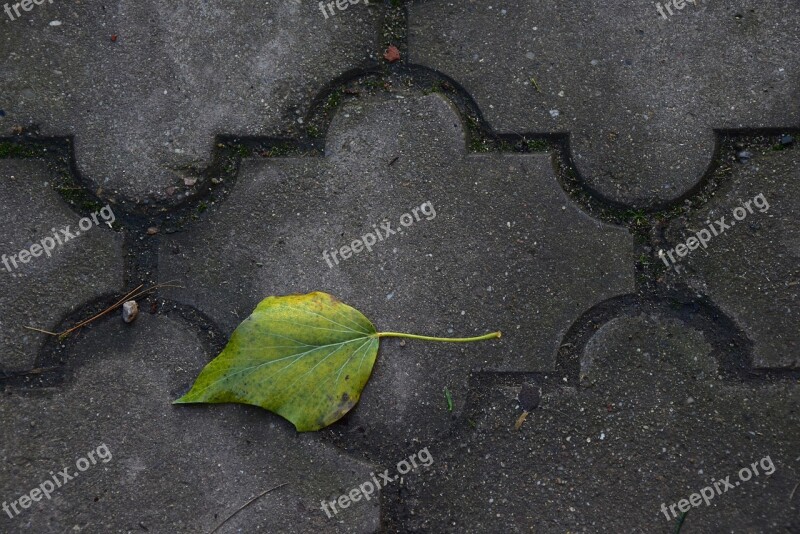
<point x="558" y="157"/>
<point x="638" y="94"/>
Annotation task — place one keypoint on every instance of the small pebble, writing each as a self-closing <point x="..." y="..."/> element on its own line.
<point x="744" y="155"/>
<point x="786" y="140"/>
<point x="189" y="182"/>
<point x="392" y="54"/>
<point x="152" y="230"/>
<point x="129" y="311"/>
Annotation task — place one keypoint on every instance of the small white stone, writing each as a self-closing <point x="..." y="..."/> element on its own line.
<point x="129" y="311"/>
<point x="554" y="113"/>
<point x="55" y="23"/>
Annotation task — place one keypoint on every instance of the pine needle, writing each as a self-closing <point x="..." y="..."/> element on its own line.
<point x="131" y="295"/>
<point x="245" y="505"/>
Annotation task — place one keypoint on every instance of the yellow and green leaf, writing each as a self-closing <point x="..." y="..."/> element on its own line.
<point x="304" y="357"/>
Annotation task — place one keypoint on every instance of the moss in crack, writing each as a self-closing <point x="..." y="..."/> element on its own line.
<point x="664" y="216"/>
<point x="636" y="218"/>
<point x="437" y="87"/>
<point x="478" y="142"/>
<point x="312" y="131"/>
<point x="229" y="168"/>
<point x="279" y="150"/>
<point x="394" y="25"/>
<point x="504" y="145"/>
<point x="243" y="151"/>
<point x="536" y="145"/>
<point x="78" y="198"/>
<point x="334" y="100"/>
<point x="375" y="84"/>
<point x="10" y="149"/>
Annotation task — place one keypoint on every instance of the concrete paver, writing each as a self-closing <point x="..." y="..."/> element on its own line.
<point x="639" y="95"/>
<point x="550" y="153"/>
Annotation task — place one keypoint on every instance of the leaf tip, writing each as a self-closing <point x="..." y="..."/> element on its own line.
<point x="182" y="400"/>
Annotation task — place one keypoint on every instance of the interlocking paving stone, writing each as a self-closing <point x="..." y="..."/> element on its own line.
<point x="638" y="94"/>
<point x="40" y="292"/>
<point x="435" y="278"/>
<point x="654" y="425"/>
<point x="173" y="468"/>
<point x="752" y="270"/>
<point x="145" y="108"/>
<point x="654" y="415"/>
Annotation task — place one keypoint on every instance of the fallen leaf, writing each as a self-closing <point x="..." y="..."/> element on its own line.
<point x="306" y="358"/>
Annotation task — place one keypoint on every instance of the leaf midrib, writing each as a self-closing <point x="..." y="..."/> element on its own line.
<point x="295" y="356"/>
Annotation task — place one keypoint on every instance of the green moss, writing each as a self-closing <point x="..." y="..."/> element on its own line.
<point x="279" y="150"/>
<point x="334" y="100"/>
<point x="229" y="167"/>
<point x="202" y="207"/>
<point x="636" y="217"/>
<point x="79" y="198"/>
<point x="17" y="150"/>
<point x="479" y="145"/>
<point x="373" y="83"/>
<point x="477" y="141"/>
<point x="313" y="131"/>
<point x="674" y="212"/>
<point x="505" y="146"/>
<point x="537" y="145"/>
<point x="244" y="151"/>
<point x="394" y="26"/>
<point x="436" y="87"/>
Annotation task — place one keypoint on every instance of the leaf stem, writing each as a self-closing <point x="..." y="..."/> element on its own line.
<point x="493" y="335"/>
